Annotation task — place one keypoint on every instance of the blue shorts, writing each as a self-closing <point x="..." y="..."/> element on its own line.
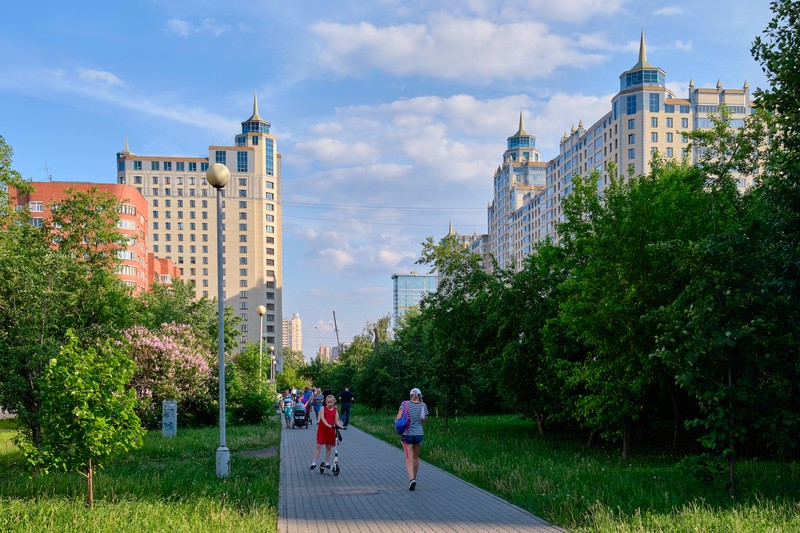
<point x="413" y="439"/>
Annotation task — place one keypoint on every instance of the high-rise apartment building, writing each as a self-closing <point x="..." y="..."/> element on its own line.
<point x="293" y="333"/>
<point x="408" y="290"/>
<point x="183" y="222"/>
<point x="645" y="118"/>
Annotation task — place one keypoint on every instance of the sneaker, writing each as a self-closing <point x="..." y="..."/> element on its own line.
<point x="313" y="466"/>
<point x="412" y="484"/>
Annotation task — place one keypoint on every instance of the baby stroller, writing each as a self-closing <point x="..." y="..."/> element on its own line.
<point x="300" y="418"/>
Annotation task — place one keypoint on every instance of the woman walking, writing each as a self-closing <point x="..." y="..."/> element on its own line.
<point x="326" y="432"/>
<point x="417" y="413"/>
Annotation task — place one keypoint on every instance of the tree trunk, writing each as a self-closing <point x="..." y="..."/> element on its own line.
<point x="446" y="414"/>
<point x="89" y="486"/>
<point x="539" y="421"/>
<point x="592" y="435"/>
<point x="675" y="422"/>
<point x="626" y="438"/>
<point x="731" y="443"/>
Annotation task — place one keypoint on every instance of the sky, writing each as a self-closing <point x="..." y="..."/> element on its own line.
<point x="390" y="115"/>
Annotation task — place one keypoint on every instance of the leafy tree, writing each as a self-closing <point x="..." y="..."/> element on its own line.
<point x="532" y="299"/>
<point x="250" y="397"/>
<point x="455" y="336"/>
<point x="44" y="291"/>
<point x="87" y="411"/>
<point x="621" y="272"/>
<point x="10" y="181"/>
<point x="171" y="364"/>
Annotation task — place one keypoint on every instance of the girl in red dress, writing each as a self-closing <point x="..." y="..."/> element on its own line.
<point x="326" y="432"/>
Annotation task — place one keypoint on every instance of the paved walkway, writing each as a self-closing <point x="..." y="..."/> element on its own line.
<point x="371" y="493"/>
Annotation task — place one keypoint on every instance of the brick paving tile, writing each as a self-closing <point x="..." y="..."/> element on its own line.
<point x="371" y="493"/>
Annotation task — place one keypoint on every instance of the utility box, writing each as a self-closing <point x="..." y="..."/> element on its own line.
<point x="169" y="418"/>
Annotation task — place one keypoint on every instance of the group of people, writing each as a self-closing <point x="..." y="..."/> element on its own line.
<point x="312" y="400"/>
<point x="330" y="420"/>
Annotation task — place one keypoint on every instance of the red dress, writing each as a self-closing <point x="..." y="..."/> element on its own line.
<point x="327" y="435"/>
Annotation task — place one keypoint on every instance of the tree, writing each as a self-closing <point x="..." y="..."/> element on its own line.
<point x="171" y="364"/>
<point x="44" y="291"/>
<point x="621" y="272"/>
<point x="456" y="313"/>
<point x="87" y="412"/>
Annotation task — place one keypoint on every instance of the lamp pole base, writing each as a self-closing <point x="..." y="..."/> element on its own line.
<point x="223" y="461"/>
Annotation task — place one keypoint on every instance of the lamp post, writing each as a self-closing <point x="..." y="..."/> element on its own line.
<point x="260" y="310"/>
<point x="218" y="176"/>
<point x="272" y="363"/>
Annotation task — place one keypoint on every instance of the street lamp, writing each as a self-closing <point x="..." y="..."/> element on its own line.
<point x="260" y="310"/>
<point x="272" y="363"/>
<point x="218" y="176"/>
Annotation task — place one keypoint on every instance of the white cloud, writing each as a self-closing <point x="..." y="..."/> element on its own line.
<point x="450" y="48"/>
<point x="179" y="27"/>
<point x="336" y="152"/>
<point x="104" y="87"/>
<point x="102" y="76"/>
<point x="184" y="28"/>
<point x="669" y="11"/>
<point x="574" y="11"/>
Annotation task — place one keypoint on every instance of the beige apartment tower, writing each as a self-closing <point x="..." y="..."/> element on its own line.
<point x="183" y="223"/>
<point x="293" y="333"/>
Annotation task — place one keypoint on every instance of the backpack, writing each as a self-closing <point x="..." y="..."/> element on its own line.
<point x="402" y="424"/>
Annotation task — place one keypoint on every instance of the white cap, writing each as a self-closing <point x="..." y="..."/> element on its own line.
<point x="415" y="391"/>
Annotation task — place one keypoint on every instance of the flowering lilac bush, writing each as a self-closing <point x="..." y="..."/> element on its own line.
<point x="171" y="364"/>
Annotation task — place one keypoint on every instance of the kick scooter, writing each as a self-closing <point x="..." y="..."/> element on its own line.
<point x="335" y="467"/>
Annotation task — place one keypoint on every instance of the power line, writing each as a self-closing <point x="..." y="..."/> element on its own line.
<point x="388" y="208"/>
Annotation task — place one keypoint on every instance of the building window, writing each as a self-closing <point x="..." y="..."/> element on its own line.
<point x="242" y="238"/>
<point x="154" y="165"/>
<point x="242" y="260"/>
<point x="669" y="137"/>
<point x="137" y="165"/>
<point x="631" y="153"/>
<point x="631" y="123"/>
<point x="203" y="168"/>
<point x="168" y="165"/>
<point x="220" y="156"/>
<point x="241" y="161"/>
<point x="631" y="104"/>
<point x="631" y="138"/>
<point x="655" y="102"/>
<point x="654" y="122"/>
<point x="669" y="122"/>
<point x="669" y="152"/>
<point x="684" y="123"/>
<point x="654" y="136"/>
<point x="242" y="227"/>
<point x="242" y="193"/>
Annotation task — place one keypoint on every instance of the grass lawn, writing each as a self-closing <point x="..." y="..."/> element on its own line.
<point x="557" y="478"/>
<point x="167" y="485"/>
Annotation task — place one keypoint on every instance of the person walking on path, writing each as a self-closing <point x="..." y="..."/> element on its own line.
<point x="287" y="407"/>
<point x="326" y="432"/>
<point x="319" y="399"/>
<point x="346" y="397"/>
<point x="417" y="413"/>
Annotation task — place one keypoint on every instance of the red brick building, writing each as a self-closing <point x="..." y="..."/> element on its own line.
<point x="138" y="267"/>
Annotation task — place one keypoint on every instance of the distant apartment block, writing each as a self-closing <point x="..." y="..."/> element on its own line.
<point x="408" y="290"/>
<point x="183" y="222"/>
<point x="645" y="118"/>
<point x="293" y="333"/>
<point x="138" y="267"/>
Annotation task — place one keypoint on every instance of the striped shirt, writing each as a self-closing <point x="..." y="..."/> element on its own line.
<point x="416" y="411"/>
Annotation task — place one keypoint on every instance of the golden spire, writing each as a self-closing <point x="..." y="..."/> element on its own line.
<point x="255" y="110"/>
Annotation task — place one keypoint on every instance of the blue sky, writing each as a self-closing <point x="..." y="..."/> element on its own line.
<point x="391" y="115"/>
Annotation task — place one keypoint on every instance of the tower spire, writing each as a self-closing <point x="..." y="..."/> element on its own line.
<point x="255" y="109"/>
<point x="642" y="63"/>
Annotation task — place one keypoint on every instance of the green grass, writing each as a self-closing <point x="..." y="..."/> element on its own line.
<point x="167" y="485"/>
<point x="557" y="478"/>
